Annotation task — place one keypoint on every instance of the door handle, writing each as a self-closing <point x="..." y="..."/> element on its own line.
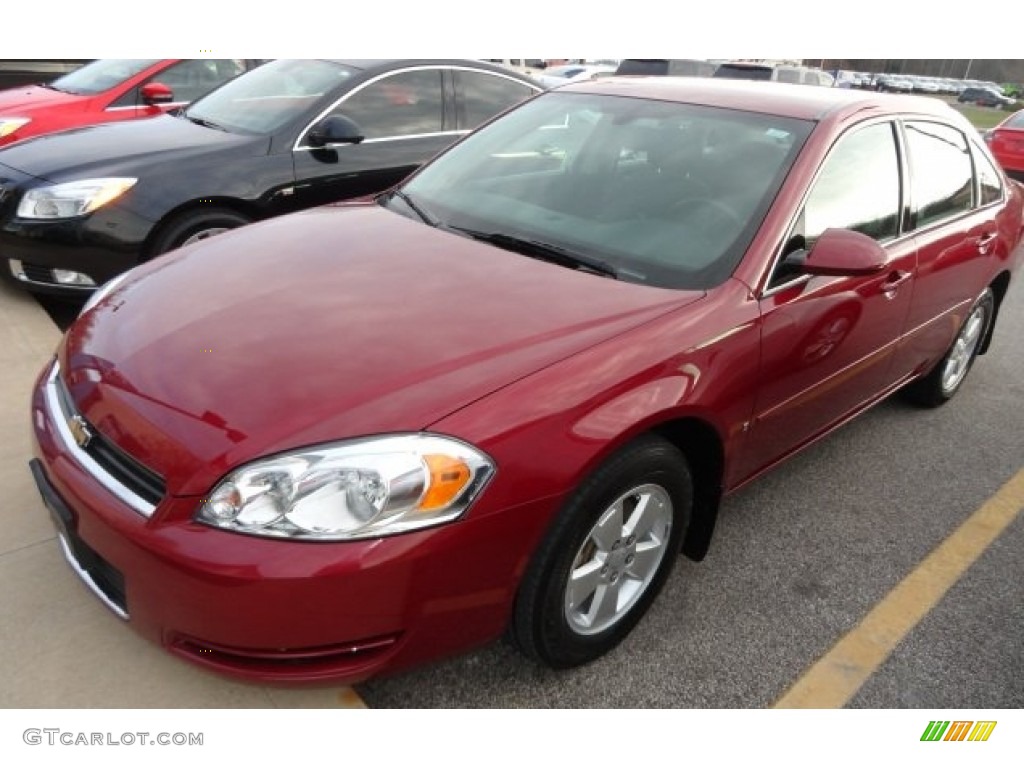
<point x="985" y="243"/>
<point x="894" y="281"/>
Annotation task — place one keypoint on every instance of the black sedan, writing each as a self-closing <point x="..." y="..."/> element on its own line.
<point x="77" y="208"/>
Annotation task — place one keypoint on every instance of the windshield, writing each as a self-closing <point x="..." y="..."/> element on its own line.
<point x="664" y="193"/>
<point x="100" y="75"/>
<point x="261" y="101"/>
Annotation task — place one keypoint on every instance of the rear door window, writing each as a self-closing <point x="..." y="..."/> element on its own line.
<point x="942" y="180"/>
<point x="482" y="95"/>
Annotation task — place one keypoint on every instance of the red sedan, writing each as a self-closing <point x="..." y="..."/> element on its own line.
<point x="504" y="395"/>
<point x="107" y="90"/>
<point x="1006" y="141"/>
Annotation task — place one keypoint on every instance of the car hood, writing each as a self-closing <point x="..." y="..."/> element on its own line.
<point x="22" y="102"/>
<point x="116" y="148"/>
<point x="333" y="323"/>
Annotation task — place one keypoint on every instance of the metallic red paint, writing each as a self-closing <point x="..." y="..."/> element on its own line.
<point x="273" y="337"/>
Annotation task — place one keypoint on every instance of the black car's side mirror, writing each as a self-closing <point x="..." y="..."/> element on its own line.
<point x="335" y="129"/>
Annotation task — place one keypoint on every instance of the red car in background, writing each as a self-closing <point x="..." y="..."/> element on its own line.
<point x="106" y="90"/>
<point x="1006" y="141"/>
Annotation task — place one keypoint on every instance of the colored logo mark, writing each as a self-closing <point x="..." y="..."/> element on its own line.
<point x="958" y="730"/>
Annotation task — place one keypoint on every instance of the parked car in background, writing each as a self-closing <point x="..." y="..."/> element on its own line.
<point x="504" y="395"/>
<point x="109" y="90"/>
<point x="1006" y="141"/>
<point x="894" y="84"/>
<point x="77" y="208"/>
<point x="985" y="97"/>
<point x="552" y="77"/>
<point x="780" y="73"/>
<point x="671" y="67"/>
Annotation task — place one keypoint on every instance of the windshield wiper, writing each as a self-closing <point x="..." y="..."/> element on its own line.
<point x="544" y="251"/>
<point x="206" y="123"/>
<point x="427" y="218"/>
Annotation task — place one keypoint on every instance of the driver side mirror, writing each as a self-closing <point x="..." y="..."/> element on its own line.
<point x="839" y="253"/>
<point x="156" y="93"/>
<point x="335" y="129"/>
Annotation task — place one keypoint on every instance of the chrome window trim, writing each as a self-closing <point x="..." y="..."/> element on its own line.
<point x="60" y="419"/>
<point x="388" y="138"/>
<point x="299" y="146"/>
<point x="168" y="105"/>
<point x="88" y="580"/>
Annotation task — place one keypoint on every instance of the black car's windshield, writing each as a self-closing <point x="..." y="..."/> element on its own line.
<point x="662" y="193"/>
<point x="263" y="100"/>
<point x="100" y="75"/>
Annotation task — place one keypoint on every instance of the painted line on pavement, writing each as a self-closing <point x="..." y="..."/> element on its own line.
<point x="840" y="673"/>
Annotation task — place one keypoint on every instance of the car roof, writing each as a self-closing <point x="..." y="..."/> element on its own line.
<point x="804" y="102"/>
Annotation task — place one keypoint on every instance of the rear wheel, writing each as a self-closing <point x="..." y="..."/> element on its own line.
<point x="946" y="378"/>
<point x="606" y="557"/>
<point x="197" y="225"/>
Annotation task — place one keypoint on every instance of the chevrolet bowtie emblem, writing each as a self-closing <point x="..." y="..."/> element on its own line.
<point x="79" y="430"/>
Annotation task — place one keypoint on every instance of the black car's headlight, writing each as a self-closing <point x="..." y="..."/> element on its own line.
<point x="73" y="198"/>
<point x="351" y="490"/>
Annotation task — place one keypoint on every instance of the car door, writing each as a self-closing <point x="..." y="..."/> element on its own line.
<point x="828" y="342"/>
<point x="403" y="118"/>
<point x="954" y="194"/>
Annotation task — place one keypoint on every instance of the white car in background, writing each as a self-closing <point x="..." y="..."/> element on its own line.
<point x="569" y="73"/>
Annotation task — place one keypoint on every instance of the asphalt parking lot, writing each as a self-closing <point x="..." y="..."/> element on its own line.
<point x="800" y="558"/>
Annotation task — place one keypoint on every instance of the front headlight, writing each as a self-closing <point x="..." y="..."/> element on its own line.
<point x="352" y="490"/>
<point x="73" y="198"/>
<point x="9" y="125"/>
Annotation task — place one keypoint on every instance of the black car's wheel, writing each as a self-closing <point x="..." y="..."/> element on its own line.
<point x="606" y="557"/>
<point x="946" y="378"/>
<point x="192" y="226"/>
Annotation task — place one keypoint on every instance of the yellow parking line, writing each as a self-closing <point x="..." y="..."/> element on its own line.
<point x="838" y="675"/>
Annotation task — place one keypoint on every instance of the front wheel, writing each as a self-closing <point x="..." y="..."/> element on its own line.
<point x="946" y="378"/>
<point x="606" y="557"/>
<point x="197" y="225"/>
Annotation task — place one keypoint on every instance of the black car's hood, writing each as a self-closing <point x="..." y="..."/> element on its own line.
<point x="119" y="148"/>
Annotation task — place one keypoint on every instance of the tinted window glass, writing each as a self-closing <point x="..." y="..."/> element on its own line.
<point x="990" y="182"/>
<point x="404" y="104"/>
<point x="737" y="72"/>
<point x="940" y="169"/>
<point x="483" y="95"/>
<point x="264" y="99"/>
<point x="188" y="79"/>
<point x="858" y="188"/>
<point x="643" y="67"/>
<point x="100" y="75"/>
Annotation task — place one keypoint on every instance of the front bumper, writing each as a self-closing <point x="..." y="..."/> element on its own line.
<point x="98" y="246"/>
<point x="272" y="610"/>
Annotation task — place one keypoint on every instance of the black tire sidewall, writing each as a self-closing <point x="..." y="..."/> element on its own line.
<point x="182" y="227"/>
<point x="541" y="627"/>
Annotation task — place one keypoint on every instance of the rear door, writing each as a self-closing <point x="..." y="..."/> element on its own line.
<point x="955" y="194"/>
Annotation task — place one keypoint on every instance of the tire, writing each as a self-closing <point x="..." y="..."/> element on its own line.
<point x="195" y="225"/>
<point x="596" y="552"/>
<point x="940" y="384"/>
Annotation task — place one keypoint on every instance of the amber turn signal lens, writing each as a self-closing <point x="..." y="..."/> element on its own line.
<point x="448" y="477"/>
